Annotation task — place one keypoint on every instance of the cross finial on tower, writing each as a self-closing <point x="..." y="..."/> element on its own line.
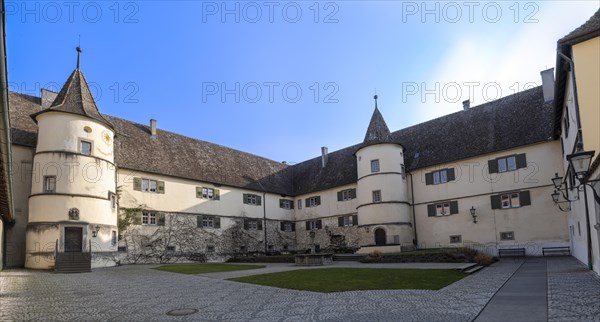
<point x="78" y="55"/>
<point x="375" y="97"/>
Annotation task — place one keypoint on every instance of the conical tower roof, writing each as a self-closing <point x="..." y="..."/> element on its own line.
<point x="75" y="97"/>
<point x="378" y="131"/>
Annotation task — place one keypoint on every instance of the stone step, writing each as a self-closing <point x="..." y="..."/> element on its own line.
<point x="73" y="262"/>
<point x="473" y="269"/>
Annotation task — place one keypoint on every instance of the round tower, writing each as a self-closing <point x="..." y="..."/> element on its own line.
<point x="73" y="204"/>
<point x="382" y="190"/>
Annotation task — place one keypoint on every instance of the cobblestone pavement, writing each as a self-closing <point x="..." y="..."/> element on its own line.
<point x="140" y="293"/>
<point x="573" y="291"/>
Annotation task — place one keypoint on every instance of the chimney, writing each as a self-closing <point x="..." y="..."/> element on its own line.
<point x="466" y="105"/>
<point x="323" y="156"/>
<point x="48" y="98"/>
<point x="153" y="127"/>
<point x="548" y="84"/>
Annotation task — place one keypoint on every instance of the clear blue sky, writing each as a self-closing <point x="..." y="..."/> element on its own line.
<point x="174" y="60"/>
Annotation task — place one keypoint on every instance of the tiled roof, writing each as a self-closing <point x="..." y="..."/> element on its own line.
<point x="378" y="131"/>
<point x="588" y="30"/>
<point x="176" y="155"/>
<point x="75" y="97"/>
<point x="23" y="128"/>
<point x="509" y="122"/>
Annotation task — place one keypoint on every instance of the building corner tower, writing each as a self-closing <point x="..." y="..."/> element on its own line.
<point x="383" y="204"/>
<point x="73" y="205"/>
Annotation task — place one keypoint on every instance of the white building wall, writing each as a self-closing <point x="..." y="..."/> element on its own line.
<point x="538" y="225"/>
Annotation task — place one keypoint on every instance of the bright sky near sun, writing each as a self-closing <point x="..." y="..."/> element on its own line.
<point x="281" y="79"/>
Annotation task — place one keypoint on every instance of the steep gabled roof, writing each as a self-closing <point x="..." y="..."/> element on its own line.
<point x="75" y="97"/>
<point x="378" y="131"/>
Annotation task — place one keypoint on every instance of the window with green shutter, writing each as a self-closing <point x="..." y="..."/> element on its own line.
<point x="507" y="163"/>
<point x="445" y="208"/>
<point x="313" y="201"/>
<point x="348" y="221"/>
<point x="286" y="204"/>
<point x="253" y="224"/>
<point x="287" y="226"/>
<point x="252" y="199"/>
<point x="440" y="176"/>
<point x="148" y="185"/>
<point x="347" y="194"/>
<point x="314" y="224"/>
<point x="208" y="193"/>
<point x="509" y="200"/>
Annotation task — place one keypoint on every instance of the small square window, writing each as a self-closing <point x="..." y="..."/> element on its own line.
<point x="287" y="226"/>
<point x="375" y="165"/>
<point x="252" y="225"/>
<point x="348" y="221"/>
<point x="507" y="235"/>
<point x="346" y="195"/>
<point x="286" y="204"/>
<point x="251" y="199"/>
<point x="210" y="249"/>
<point x="113" y="200"/>
<point x="148" y="218"/>
<point x="313" y="201"/>
<point x="49" y="184"/>
<point x="170" y="248"/>
<point x="113" y="240"/>
<point x="377" y="196"/>
<point x="85" y="147"/>
<point x="455" y="239"/>
<point x="208" y="221"/>
<point x="299" y="203"/>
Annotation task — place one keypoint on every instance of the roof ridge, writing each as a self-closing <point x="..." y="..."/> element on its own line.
<point x="192" y="138"/>
<point x="511" y="96"/>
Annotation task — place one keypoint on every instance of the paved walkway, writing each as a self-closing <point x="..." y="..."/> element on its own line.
<point x="138" y="293"/>
<point x="522" y="298"/>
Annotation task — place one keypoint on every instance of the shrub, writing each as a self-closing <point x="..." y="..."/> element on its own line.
<point x="484" y="259"/>
<point x="376" y="254"/>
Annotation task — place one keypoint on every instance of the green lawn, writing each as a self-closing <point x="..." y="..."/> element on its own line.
<point x="205" y="268"/>
<point x="350" y="279"/>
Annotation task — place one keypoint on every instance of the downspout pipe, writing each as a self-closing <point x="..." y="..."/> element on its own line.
<point x="5" y="139"/>
<point x="412" y="197"/>
<point x="580" y="136"/>
<point x="265" y="220"/>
